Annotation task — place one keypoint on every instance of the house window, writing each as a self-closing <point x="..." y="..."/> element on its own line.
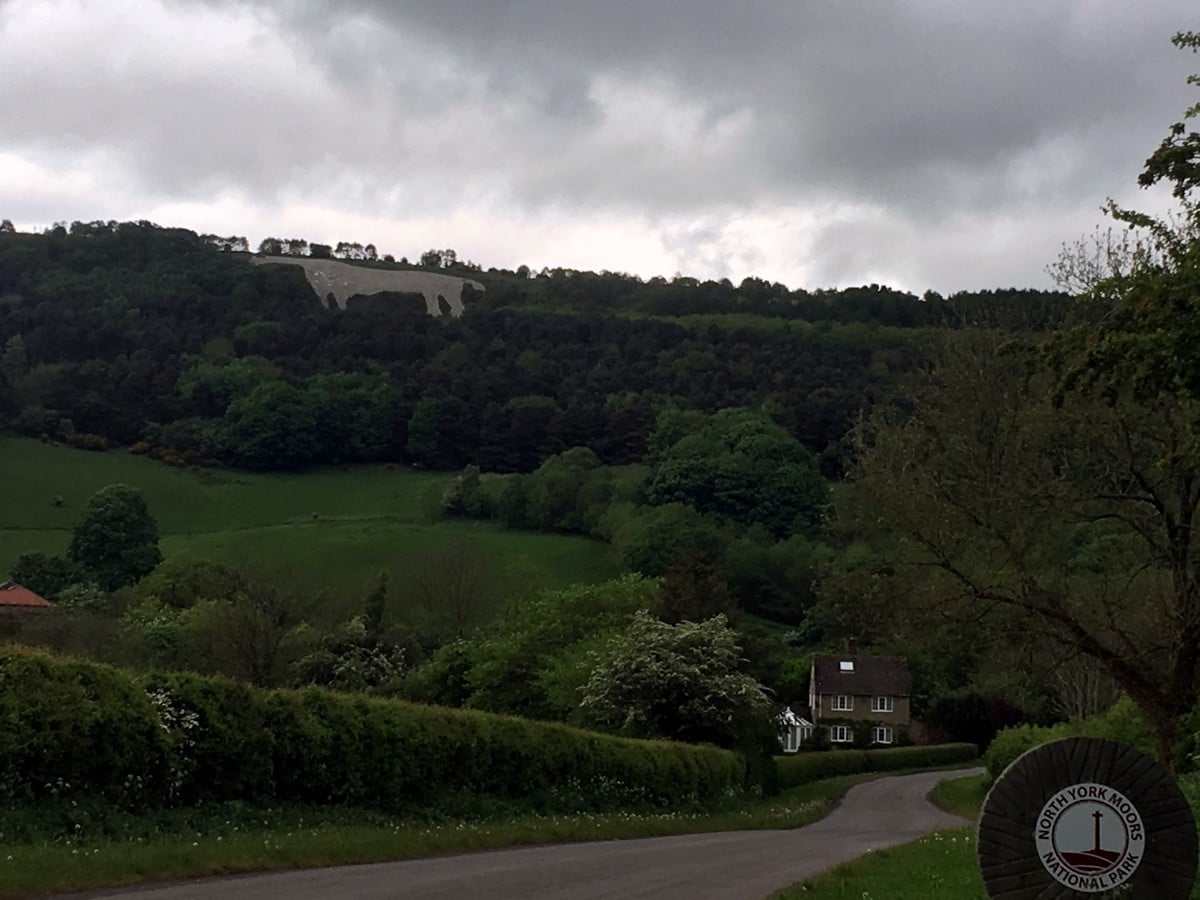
<point x="882" y="704"/>
<point x="841" y="734"/>
<point x="881" y="734"/>
<point x="846" y="665"/>
<point x="842" y="703"/>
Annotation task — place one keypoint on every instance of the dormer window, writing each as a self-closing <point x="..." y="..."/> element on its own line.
<point x="846" y="665"/>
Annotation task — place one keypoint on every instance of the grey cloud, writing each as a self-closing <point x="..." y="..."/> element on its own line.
<point x="677" y="113"/>
<point x="921" y="105"/>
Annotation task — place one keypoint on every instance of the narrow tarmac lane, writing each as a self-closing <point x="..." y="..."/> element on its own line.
<point x="733" y="865"/>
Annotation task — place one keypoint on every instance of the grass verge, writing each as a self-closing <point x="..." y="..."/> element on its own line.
<point x="940" y="866"/>
<point x="961" y="796"/>
<point x="234" y="838"/>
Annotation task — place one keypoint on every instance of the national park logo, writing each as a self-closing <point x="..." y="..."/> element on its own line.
<point x="1090" y="837"/>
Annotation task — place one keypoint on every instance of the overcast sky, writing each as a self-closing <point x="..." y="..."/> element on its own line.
<point x="941" y="144"/>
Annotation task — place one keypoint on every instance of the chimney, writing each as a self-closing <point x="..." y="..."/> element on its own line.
<point x="851" y="646"/>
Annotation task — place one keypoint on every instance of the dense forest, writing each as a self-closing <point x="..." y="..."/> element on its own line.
<point x="696" y="427"/>
<point x="128" y="333"/>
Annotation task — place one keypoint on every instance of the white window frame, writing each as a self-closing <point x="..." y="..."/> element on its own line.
<point x="841" y="703"/>
<point x="883" y="704"/>
<point x="790" y="744"/>
<point x="841" y="734"/>
<point x="882" y="734"/>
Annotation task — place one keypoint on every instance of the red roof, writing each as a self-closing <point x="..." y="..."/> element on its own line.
<point x="12" y="594"/>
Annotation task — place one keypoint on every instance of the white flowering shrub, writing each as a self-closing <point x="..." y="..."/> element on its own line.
<point x="675" y="681"/>
<point x="181" y="726"/>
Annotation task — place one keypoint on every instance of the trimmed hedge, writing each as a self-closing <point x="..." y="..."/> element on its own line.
<point x="72" y="728"/>
<point x="803" y="767"/>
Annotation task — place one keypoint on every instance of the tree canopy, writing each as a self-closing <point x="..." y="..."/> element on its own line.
<point x="115" y="540"/>
<point x="741" y="466"/>
<point x="681" y="682"/>
<point x="1055" y="494"/>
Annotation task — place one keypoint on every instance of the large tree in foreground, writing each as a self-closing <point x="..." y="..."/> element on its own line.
<point x="1071" y="522"/>
<point x="1060" y="491"/>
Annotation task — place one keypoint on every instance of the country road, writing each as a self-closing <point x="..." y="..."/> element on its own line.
<point x="735" y="865"/>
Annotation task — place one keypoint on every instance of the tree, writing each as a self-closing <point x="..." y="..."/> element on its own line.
<point x="272" y="427"/>
<point x="680" y="682"/>
<point x="14" y="361"/>
<point x="1070" y="521"/>
<point x="465" y="496"/>
<point x="350" y="658"/>
<point x="537" y="662"/>
<point x="115" y="540"/>
<point x="567" y="492"/>
<point x="1068" y="501"/>
<point x="181" y="584"/>
<point x="742" y="466"/>
<point x="254" y="634"/>
<point x="45" y="575"/>
<point x="425" y="439"/>
<point x="446" y="591"/>
<point x="668" y="534"/>
<point x="693" y="591"/>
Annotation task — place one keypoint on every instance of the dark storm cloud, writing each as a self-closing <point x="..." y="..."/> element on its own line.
<point x="925" y="105"/>
<point x="935" y="143"/>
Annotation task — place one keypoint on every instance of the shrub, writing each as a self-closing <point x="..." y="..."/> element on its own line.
<point x="77" y="729"/>
<point x="83" y="441"/>
<point x="1121" y="723"/>
<point x="801" y="768"/>
<point x="1012" y="742"/>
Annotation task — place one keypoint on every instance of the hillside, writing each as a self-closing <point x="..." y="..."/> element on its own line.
<point x="337" y="528"/>
<point x="138" y="333"/>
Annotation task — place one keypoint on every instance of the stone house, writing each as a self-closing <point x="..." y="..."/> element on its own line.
<point x="861" y="700"/>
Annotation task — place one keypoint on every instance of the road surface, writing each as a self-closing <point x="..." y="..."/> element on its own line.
<point x="732" y="865"/>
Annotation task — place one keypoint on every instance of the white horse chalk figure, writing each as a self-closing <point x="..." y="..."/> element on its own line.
<point x="343" y="281"/>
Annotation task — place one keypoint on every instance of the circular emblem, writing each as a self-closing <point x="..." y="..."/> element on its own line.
<point x="1090" y="837"/>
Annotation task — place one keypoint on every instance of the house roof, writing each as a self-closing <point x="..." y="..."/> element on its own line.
<point x="13" y="594"/>
<point x="789" y="718"/>
<point x="874" y="676"/>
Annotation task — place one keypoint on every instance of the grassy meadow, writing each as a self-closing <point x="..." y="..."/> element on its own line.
<point x="336" y="526"/>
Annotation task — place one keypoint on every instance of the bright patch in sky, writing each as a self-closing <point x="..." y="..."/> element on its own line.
<point x="929" y="146"/>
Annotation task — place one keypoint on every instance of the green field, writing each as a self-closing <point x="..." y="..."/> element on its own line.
<point x="336" y="526"/>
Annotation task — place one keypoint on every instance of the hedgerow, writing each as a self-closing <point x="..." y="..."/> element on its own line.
<point x="79" y="729"/>
<point x="1121" y="723"/>
<point x="801" y="768"/>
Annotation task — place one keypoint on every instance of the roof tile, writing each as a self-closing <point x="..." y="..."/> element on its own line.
<point x="14" y="595"/>
<point x="873" y="676"/>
